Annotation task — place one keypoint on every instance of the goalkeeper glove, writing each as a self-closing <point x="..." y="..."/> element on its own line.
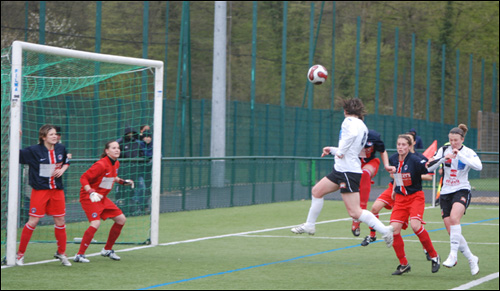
<point x="94" y="196"/>
<point x="127" y="182"/>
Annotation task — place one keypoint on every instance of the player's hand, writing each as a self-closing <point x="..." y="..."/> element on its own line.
<point x="95" y="197"/>
<point x="129" y="182"/>
<point x="390" y="169"/>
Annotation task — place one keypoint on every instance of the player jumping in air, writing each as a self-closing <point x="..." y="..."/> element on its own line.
<point x="369" y="164"/>
<point x="346" y="174"/>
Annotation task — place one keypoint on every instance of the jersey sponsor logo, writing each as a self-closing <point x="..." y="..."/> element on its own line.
<point x="453" y="173"/>
<point x="461" y="165"/>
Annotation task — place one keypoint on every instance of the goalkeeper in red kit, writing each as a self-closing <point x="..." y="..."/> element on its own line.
<point x="97" y="182"/>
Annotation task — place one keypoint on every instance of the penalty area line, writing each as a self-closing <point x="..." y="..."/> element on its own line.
<point x="474" y="283"/>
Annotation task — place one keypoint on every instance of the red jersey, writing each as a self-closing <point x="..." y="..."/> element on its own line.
<point x="100" y="177"/>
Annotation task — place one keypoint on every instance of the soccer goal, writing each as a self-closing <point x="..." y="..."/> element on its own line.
<point x="93" y="98"/>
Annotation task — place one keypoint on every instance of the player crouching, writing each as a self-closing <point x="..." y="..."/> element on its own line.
<point x="97" y="182"/>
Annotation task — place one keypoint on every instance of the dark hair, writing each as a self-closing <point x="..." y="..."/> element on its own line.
<point x="106" y="147"/>
<point x="354" y="107"/>
<point x="461" y="130"/>
<point x="44" y="131"/>
<point x="413" y="134"/>
<point x="405" y="136"/>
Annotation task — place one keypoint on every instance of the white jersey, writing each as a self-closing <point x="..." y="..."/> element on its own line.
<point x="353" y="136"/>
<point x="456" y="170"/>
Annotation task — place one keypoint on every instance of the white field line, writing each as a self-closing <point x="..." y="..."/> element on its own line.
<point x="477" y="282"/>
<point x="203" y="238"/>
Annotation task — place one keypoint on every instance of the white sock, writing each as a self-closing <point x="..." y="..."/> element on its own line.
<point x="372" y="221"/>
<point x="464" y="248"/>
<point x="315" y="210"/>
<point x="455" y="238"/>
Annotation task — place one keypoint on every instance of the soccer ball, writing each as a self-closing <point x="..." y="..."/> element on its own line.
<point x="317" y="74"/>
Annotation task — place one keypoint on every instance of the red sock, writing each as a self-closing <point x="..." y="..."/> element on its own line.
<point x="399" y="248"/>
<point x="425" y="239"/>
<point x="60" y="233"/>
<point x="87" y="238"/>
<point x="25" y="238"/>
<point x="114" y="233"/>
<point x="365" y="186"/>
<point x="373" y="232"/>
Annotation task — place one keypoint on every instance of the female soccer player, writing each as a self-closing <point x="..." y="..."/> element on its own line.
<point x="369" y="164"/>
<point x="47" y="162"/>
<point x="384" y="200"/>
<point x="97" y="182"/>
<point x="346" y="174"/>
<point x="408" y="169"/>
<point x="455" y="193"/>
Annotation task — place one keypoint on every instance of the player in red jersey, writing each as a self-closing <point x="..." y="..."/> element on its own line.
<point x="47" y="162"/>
<point x="369" y="165"/>
<point x="97" y="182"/>
<point x="384" y="200"/>
<point x="409" y="198"/>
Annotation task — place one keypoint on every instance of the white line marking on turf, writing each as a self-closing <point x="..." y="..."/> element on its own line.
<point x="477" y="282"/>
<point x="202" y="239"/>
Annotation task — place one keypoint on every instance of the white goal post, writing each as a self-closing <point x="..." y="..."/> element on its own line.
<point x="15" y="125"/>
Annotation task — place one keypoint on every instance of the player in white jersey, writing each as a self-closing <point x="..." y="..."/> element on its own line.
<point x="346" y="174"/>
<point x="455" y="192"/>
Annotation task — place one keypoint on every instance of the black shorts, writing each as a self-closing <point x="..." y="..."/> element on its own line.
<point x="447" y="200"/>
<point x="348" y="182"/>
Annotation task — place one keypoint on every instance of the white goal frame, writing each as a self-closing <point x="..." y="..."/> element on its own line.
<point x="15" y="125"/>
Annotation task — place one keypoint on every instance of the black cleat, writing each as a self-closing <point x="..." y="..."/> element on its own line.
<point x="427" y="256"/>
<point x="436" y="264"/>
<point x="401" y="269"/>
<point x="368" y="239"/>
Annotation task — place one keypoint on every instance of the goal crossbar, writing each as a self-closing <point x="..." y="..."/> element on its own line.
<point x="15" y="126"/>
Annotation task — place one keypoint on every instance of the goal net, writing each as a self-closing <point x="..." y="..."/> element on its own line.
<point x="92" y="99"/>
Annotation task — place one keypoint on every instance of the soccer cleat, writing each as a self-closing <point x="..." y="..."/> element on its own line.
<point x="401" y="269"/>
<point x="389" y="236"/>
<point x="368" y="239"/>
<point x="311" y="230"/>
<point x="427" y="256"/>
<point x="436" y="264"/>
<point x="355" y="227"/>
<point x="110" y="253"/>
<point x="81" y="259"/>
<point x="474" y="265"/>
<point x="450" y="262"/>
<point x="20" y="259"/>
<point x="63" y="258"/>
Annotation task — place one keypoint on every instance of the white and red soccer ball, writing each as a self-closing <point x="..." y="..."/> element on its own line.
<point x="317" y="74"/>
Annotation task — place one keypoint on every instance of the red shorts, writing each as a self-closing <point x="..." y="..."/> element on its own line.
<point x="49" y="201"/>
<point x="409" y="206"/>
<point x="103" y="209"/>
<point x="386" y="197"/>
<point x="375" y="163"/>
